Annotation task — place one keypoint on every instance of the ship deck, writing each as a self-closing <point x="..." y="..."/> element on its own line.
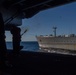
<point x="41" y="63"/>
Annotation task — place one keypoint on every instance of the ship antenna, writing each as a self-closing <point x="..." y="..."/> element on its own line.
<point x="55" y="31"/>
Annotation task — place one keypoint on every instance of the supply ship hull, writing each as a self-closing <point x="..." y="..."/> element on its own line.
<point x="51" y="42"/>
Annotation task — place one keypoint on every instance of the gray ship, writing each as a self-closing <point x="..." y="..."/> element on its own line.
<point x="61" y="42"/>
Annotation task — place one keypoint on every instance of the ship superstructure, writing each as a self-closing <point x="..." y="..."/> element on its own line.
<point x="67" y="42"/>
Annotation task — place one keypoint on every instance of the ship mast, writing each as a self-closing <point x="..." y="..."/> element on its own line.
<point x="55" y="31"/>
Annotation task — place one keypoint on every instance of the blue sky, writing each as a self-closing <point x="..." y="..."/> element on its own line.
<point x="63" y="17"/>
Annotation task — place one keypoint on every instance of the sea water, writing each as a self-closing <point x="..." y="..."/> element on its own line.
<point x="27" y="46"/>
<point x="34" y="46"/>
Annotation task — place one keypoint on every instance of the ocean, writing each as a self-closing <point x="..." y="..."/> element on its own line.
<point x="27" y="46"/>
<point x="33" y="46"/>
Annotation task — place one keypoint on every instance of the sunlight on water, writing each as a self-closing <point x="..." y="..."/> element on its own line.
<point x="67" y="52"/>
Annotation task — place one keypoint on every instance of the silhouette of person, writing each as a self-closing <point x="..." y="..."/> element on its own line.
<point x="3" y="49"/>
<point x="15" y="31"/>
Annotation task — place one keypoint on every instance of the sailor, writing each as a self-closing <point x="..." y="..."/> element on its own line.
<point x="3" y="49"/>
<point x="15" y="31"/>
